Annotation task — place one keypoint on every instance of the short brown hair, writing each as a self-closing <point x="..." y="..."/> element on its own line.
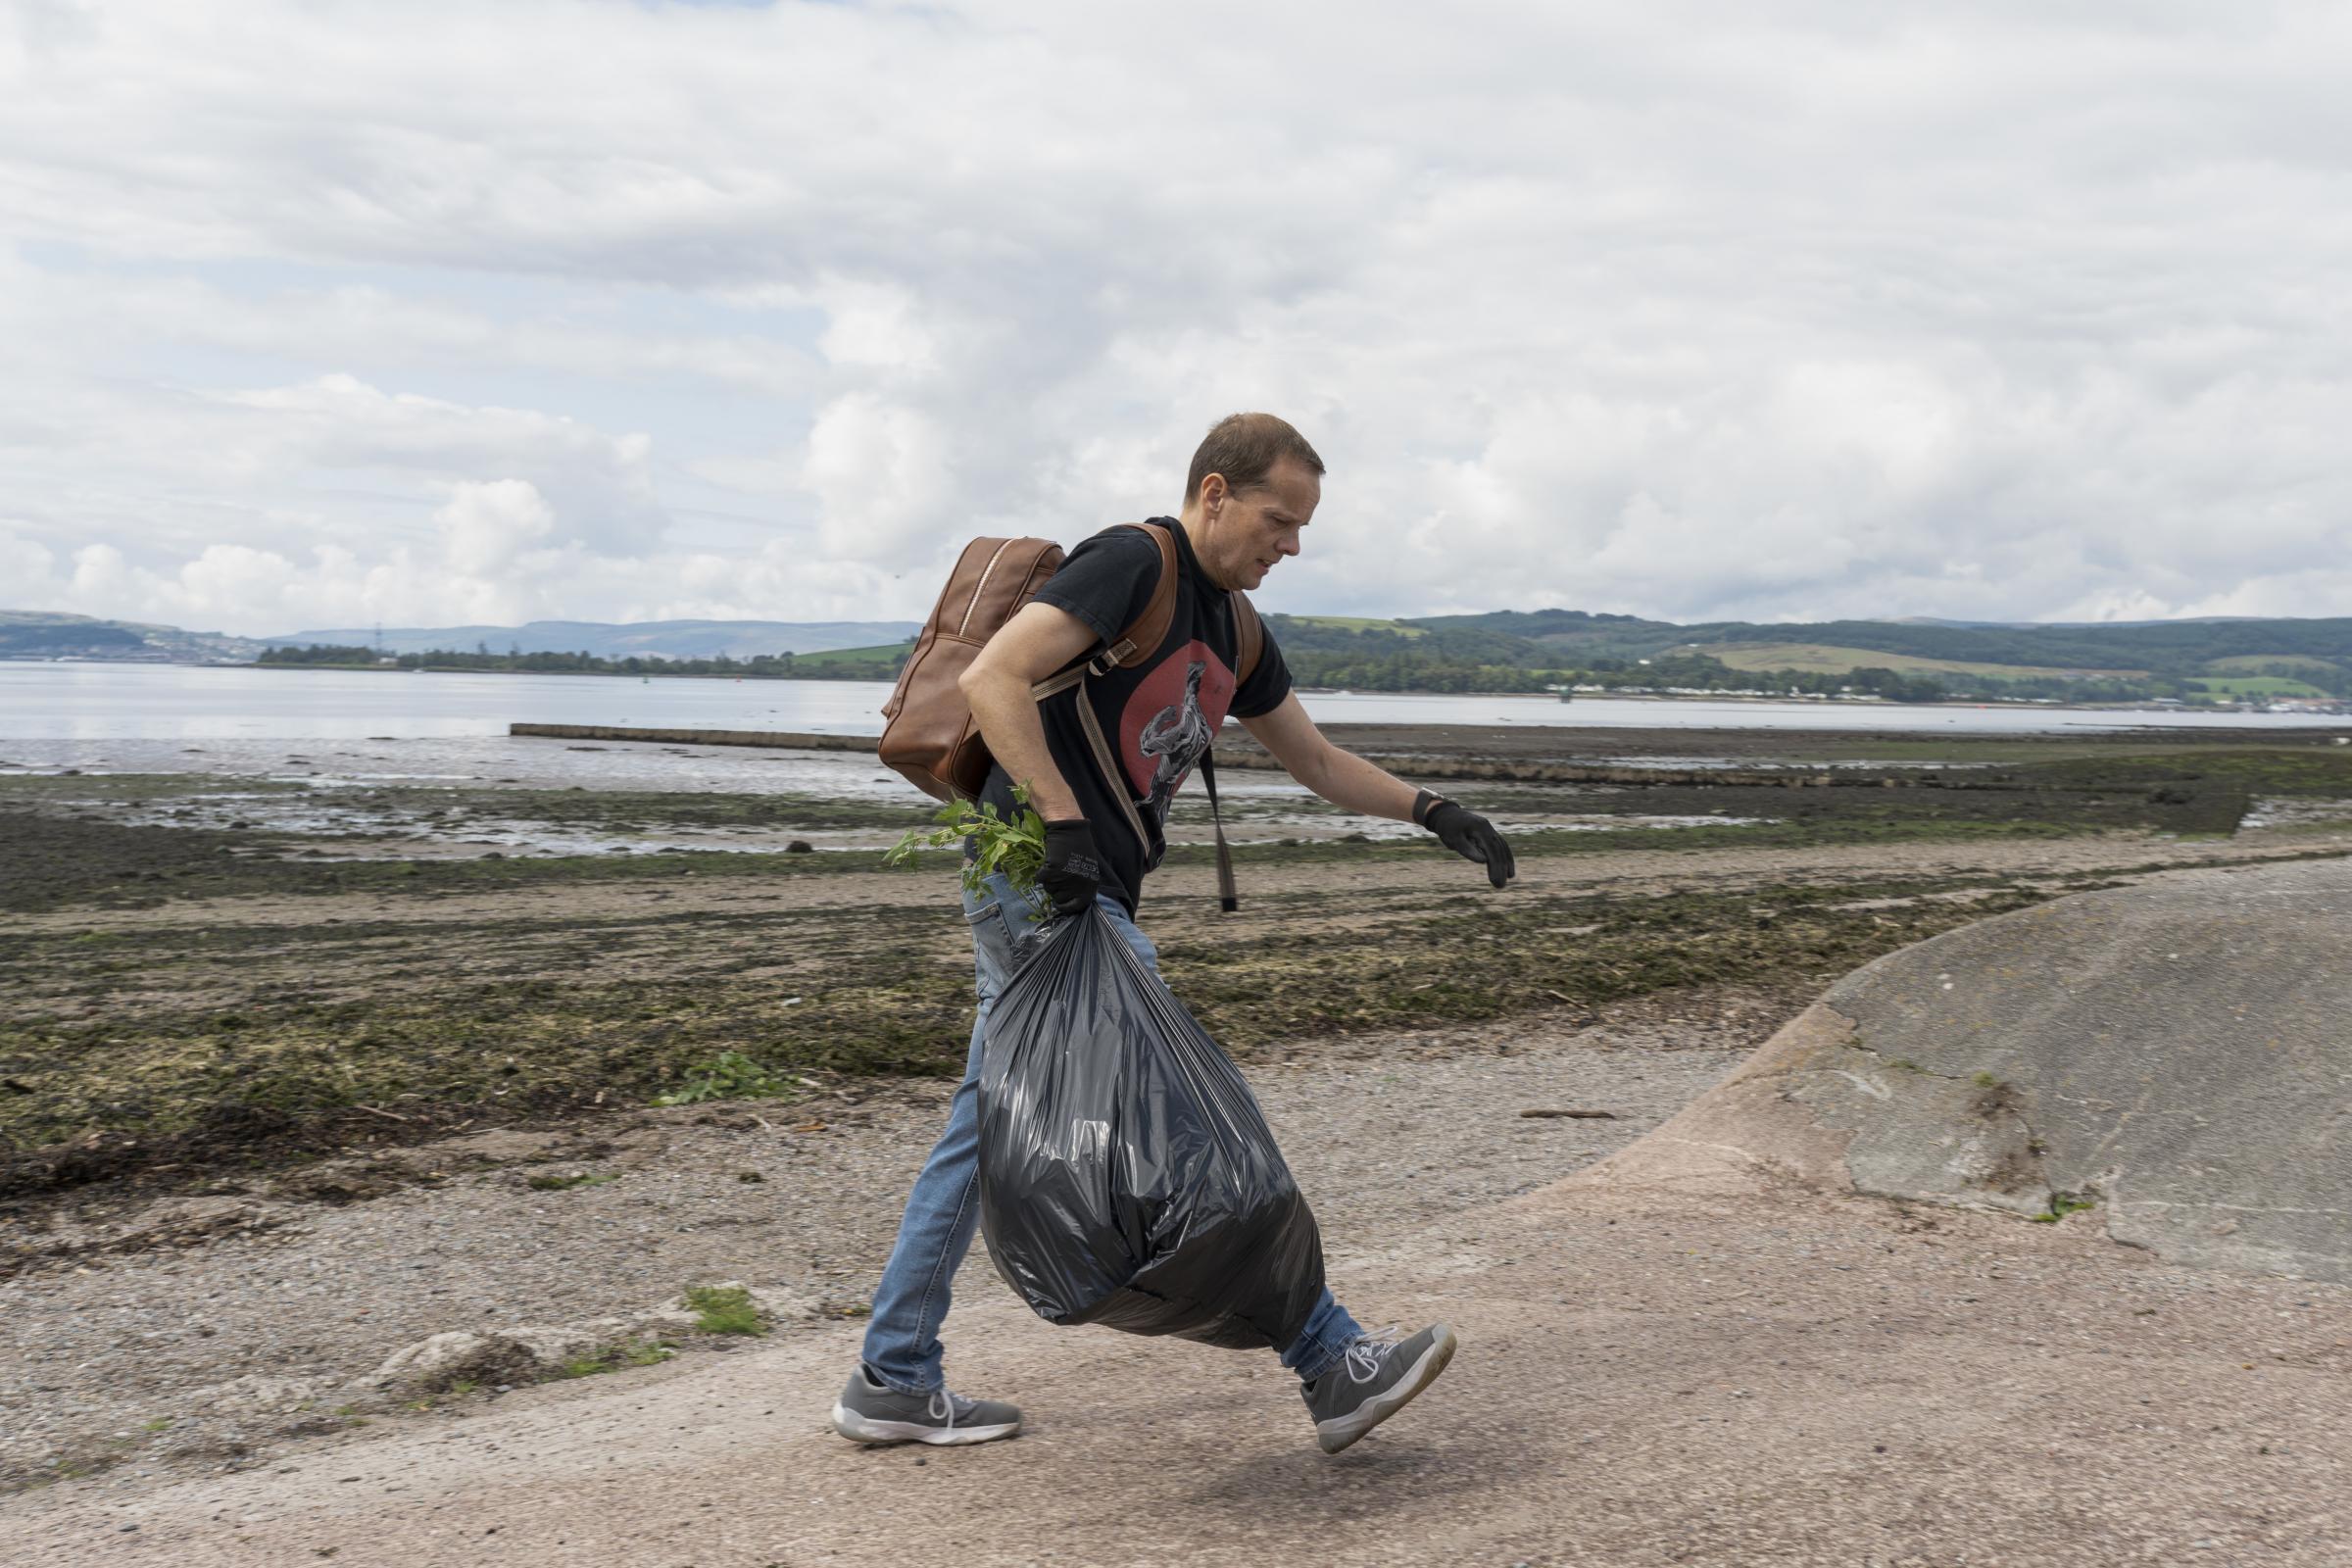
<point x="1244" y="447"/>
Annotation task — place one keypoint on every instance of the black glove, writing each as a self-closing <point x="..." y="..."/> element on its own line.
<point x="1073" y="870"/>
<point x="1468" y="835"/>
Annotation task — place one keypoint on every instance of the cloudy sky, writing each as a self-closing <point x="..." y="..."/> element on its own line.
<point x="323" y="313"/>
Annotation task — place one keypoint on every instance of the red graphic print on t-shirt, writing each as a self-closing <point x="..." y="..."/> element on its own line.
<point x="1169" y="721"/>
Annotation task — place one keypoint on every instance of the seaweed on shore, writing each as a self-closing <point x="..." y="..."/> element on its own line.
<point x="167" y="1049"/>
<point x="274" y="1071"/>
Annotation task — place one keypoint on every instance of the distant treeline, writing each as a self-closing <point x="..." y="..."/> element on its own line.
<point x="1519" y="651"/>
<point x="759" y="666"/>
<point x="1438" y="655"/>
<point x="1405" y="669"/>
<point x="1406" y="672"/>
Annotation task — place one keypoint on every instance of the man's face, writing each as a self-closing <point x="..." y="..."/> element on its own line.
<point x="1247" y="532"/>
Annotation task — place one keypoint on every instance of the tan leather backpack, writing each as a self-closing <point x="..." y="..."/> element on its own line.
<point x="929" y="735"/>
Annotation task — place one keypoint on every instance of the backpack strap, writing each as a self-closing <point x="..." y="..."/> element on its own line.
<point x="1142" y="639"/>
<point x="1248" y="637"/>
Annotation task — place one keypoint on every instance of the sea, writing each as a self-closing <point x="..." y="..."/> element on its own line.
<point x="65" y="701"/>
<point x="350" y="731"/>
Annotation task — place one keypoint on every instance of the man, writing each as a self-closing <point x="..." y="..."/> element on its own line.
<point x="1252" y="489"/>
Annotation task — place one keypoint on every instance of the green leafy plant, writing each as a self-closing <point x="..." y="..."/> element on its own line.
<point x="729" y="1075"/>
<point x="724" y="1309"/>
<point x="1015" y="845"/>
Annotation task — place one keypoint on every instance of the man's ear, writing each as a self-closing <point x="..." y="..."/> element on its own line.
<point x="1213" y="491"/>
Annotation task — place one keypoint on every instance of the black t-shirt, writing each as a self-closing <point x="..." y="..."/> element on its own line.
<point x="1156" y="715"/>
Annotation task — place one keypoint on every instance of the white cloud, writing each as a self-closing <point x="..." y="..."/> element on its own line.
<point x="571" y="308"/>
<point x="880" y="472"/>
<point x="877" y="326"/>
<point x="238" y="588"/>
<point x="600" y="484"/>
<point x="24" y="560"/>
<point x="485" y="526"/>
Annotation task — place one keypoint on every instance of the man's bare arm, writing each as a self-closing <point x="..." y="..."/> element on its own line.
<point x="1347" y="780"/>
<point x="1037" y="641"/>
<point x="1341" y="777"/>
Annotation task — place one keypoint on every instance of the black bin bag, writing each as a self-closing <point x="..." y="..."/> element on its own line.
<point x="1127" y="1177"/>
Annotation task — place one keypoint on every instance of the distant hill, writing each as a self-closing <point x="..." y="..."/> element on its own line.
<point x="665" y="638"/>
<point x="1910" y="660"/>
<point x="45" y="634"/>
<point x="2162" y="647"/>
<point x="1507" y="650"/>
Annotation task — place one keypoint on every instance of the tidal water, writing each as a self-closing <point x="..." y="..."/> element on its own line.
<point x="102" y="703"/>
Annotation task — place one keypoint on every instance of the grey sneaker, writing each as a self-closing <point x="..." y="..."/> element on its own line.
<point x="1377" y="1378"/>
<point x="869" y="1412"/>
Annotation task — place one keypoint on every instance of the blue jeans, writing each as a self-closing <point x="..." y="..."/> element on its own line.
<point x="902" y="1338"/>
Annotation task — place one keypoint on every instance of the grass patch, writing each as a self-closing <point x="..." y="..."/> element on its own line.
<point x="1823" y="659"/>
<point x="1354" y="623"/>
<point x="724" y="1309"/>
<point x="2256" y="686"/>
<point x="854" y="656"/>
<point x="2237" y="662"/>
<point x="729" y="1075"/>
<point x="2063" y="1205"/>
<point x="635" y="1352"/>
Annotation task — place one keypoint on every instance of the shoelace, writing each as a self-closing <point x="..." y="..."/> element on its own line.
<point x="947" y="1407"/>
<point x="1369" y="1351"/>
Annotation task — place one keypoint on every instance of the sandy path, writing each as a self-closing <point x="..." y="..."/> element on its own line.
<point x="1648" y="1377"/>
<point x="236" y="1319"/>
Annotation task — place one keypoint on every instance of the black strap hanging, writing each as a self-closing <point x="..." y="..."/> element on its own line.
<point x="1228" y="898"/>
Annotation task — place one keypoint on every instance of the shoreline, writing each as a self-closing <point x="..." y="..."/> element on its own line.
<point x="1838" y="702"/>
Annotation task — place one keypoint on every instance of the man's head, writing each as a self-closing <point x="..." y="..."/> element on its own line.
<point x="1254" y="483"/>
